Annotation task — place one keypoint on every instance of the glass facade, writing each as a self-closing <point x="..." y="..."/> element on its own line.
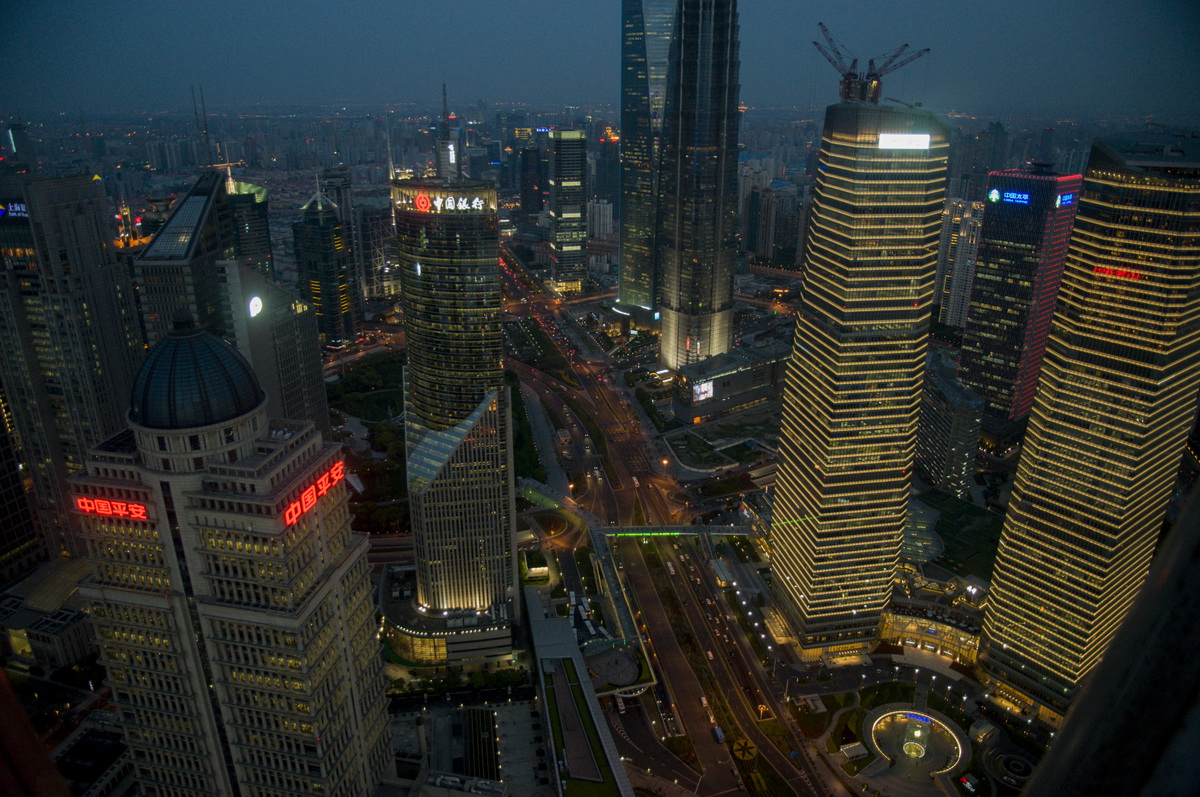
<point x="568" y="209"/>
<point x="1113" y="407"/>
<point x="326" y="273"/>
<point x="458" y="436"/>
<point x="1027" y="220"/>
<point x="854" y="382"/>
<point x="645" y="42"/>
<point x="697" y="186"/>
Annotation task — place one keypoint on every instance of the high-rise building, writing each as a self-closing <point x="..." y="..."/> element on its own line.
<point x="948" y="429"/>
<point x="375" y="223"/>
<point x="568" y="209"/>
<point x="70" y="331"/>
<point x="325" y="271"/>
<point x="231" y="602"/>
<point x="956" y="260"/>
<point x="458" y="431"/>
<point x="1115" y="401"/>
<point x="22" y="548"/>
<point x="177" y="270"/>
<point x="251" y="227"/>
<point x="646" y="27"/>
<point x="1027" y="222"/>
<point x="854" y="384"/>
<point x="277" y="334"/>
<point x="697" y="186"/>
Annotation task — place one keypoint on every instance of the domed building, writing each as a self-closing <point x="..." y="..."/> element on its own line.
<point x="230" y="598"/>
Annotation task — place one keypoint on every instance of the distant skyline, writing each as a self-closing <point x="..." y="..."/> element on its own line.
<point x="1073" y="57"/>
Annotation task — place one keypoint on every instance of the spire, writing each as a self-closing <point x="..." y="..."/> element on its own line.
<point x="445" y="108"/>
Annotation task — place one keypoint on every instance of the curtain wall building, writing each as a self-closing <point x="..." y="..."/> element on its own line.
<point x="697" y="186"/>
<point x="1113" y="407"/>
<point x="70" y="331"/>
<point x="326" y="272"/>
<point x="231" y="602"/>
<point x="568" y="209"/>
<point x="645" y="44"/>
<point x="458" y="431"/>
<point x="956" y="260"/>
<point x="1027" y="219"/>
<point x="853" y="391"/>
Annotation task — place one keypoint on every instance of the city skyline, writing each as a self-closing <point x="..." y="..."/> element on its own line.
<point x="1076" y="58"/>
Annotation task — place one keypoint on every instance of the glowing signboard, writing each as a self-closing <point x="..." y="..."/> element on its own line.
<point x="441" y="204"/>
<point x="994" y="195"/>
<point x="14" y="210"/>
<point x="308" y="498"/>
<point x="903" y="141"/>
<point x="1016" y="197"/>
<point x="1064" y="199"/>
<point x="702" y="391"/>
<point x="255" y="306"/>
<point x="1123" y="273"/>
<point x="109" y="508"/>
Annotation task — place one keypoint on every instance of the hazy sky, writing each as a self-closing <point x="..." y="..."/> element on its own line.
<point x="995" y="56"/>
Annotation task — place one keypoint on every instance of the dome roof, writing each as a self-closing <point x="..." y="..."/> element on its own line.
<point x="191" y="379"/>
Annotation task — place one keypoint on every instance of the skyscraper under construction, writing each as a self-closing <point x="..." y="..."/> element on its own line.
<point x="853" y="389"/>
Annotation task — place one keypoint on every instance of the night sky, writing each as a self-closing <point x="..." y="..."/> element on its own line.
<point x="1064" y="57"/>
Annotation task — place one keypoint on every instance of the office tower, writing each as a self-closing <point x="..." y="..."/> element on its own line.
<point x="276" y="332"/>
<point x="697" y="186"/>
<point x="458" y="435"/>
<point x="376" y="233"/>
<point x="568" y="209"/>
<point x="1046" y="151"/>
<point x="1027" y="222"/>
<point x="22" y="548"/>
<point x="325" y="271"/>
<point x="1115" y="401"/>
<point x="71" y="339"/>
<point x="948" y="429"/>
<point x="604" y="169"/>
<point x="957" y="250"/>
<point x="251" y="228"/>
<point x="231" y="602"/>
<point x="177" y="270"/>
<point x="854" y="383"/>
<point x="646" y="27"/>
<point x="599" y="219"/>
<point x="531" y="182"/>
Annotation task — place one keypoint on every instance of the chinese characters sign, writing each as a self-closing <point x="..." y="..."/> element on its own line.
<point x="103" y="506"/>
<point x="308" y="498"/>
<point x="442" y="204"/>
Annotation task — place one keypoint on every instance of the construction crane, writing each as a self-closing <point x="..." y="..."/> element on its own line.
<point x="861" y="86"/>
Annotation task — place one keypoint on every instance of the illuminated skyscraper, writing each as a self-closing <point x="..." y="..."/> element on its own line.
<point x="854" y="383"/>
<point x="956" y="260"/>
<point x="568" y="209"/>
<point x="1027" y="222"/>
<point x="1115" y="401"/>
<point x="645" y="44"/>
<point x="697" y="186"/>
<point x="232" y="604"/>
<point x="325" y="271"/>
<point x="71" y="340"/>
<point x="458" y="435"/>
<point x="251" y="228"/>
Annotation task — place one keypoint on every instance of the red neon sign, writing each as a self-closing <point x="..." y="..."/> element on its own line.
<point x="423" y="203"/>
<point x="308" y="498"/>
<point x="1123" y="273"/>
<point x="103" y="506"/>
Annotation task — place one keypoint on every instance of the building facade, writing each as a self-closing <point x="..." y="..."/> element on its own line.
<point x="646" y="27"/>
<point x="697" y="186"/>
<point x="1115" y="401"/>
<point x="956" y="260"/>
<point x="72" y="344"/>
<point x="249" y="208"/>
<point x="1027" y="220"/>
<point x="457" y="429"/>
<point x="326" y="272"/>
<point x="853" y="389"/>
<point x="948" y="430"/>
<point x="231" y="602"/>
<point x="568" y="209"/>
